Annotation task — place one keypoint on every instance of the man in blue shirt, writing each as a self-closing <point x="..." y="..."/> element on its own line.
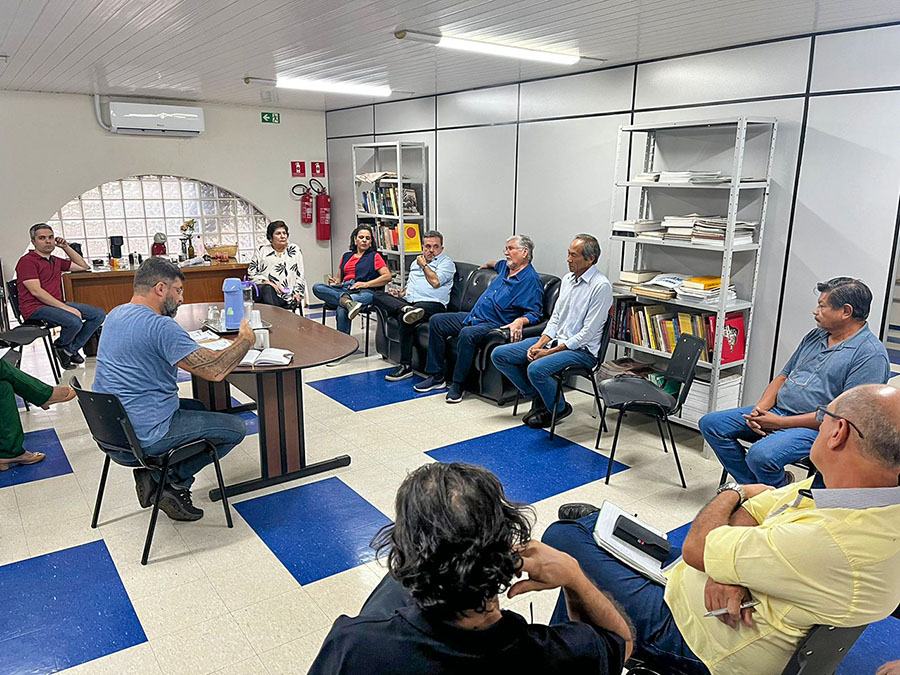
<point x="841" y="353"/>
<point x="572" y="336"/>
<point x="427" y="293"/>
<point x="513" y="299"/>
<point x="141" y="349"/>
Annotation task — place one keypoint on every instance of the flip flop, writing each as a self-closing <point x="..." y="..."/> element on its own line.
<point x="24" y="458"/>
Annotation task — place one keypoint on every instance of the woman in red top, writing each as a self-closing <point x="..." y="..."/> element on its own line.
<point x="362" y="270"/>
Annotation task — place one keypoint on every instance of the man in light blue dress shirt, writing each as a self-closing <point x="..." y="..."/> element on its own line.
<point x="427" y="293"/>
<point x="572" y="336"/>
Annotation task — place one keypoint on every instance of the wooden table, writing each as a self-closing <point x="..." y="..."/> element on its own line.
<point x="115" y="287"/>
<point x="278" y="392"/>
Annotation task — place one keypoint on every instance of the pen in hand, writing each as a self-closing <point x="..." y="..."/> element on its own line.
<point x="724" y="610"/>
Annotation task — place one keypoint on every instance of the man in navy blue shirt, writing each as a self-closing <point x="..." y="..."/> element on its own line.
<point x="514" y="299"/>
<point x="458" y="543"/>
<point x="837" y="355"/>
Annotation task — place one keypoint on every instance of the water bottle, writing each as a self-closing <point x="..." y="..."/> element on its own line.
<point x="248" y="299"/>
<point x="233" y="311"/>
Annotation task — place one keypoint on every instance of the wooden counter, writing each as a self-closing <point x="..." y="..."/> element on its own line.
<point x="113" y="288"/>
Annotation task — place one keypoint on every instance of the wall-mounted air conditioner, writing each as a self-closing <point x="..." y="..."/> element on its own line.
<point x="156" y="120"/>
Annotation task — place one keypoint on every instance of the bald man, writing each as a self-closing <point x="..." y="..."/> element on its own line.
<point x="822" y="551"/>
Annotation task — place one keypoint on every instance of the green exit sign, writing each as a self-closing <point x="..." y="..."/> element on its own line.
<point x="270" y="117"/>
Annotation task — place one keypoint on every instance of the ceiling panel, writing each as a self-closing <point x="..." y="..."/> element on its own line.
<point x="202" y="49"/>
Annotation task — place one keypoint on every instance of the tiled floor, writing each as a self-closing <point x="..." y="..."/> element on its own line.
<point x="259" y="598"/>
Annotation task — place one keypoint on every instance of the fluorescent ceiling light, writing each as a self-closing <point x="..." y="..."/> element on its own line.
<point x="332" y="87"/>
<point x="490" y="48"/>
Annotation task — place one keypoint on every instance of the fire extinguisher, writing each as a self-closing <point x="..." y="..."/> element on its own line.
<point x="306" y="209"/>
<point x="323" y="210"/>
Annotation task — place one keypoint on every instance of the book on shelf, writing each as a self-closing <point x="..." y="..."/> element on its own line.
<point x="410" y="202"/>
<point x="688" y="177"/>
<point x="374" y="176"/>
<point x="385" y="200"/>
<point x="646" y="177"/>
<point x="631" y="228"/>
<point x="702" y="283"/>
<point x="412" y="238"/>
<point x="637" y="276"/>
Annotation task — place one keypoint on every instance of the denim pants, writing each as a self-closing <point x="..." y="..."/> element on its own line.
<point x="642" y="599"/>
<point x="192" y="422"/>
<point x="331" y="295"/>
<point x="444" y="326"/>
<point x="75" y="332"/>
<point x="764" y="462"/>
<point x="536" y="377"/>
<point x="392" y="306"/>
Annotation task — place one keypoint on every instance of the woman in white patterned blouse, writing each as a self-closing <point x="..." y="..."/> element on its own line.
<point x="277" y="269"/>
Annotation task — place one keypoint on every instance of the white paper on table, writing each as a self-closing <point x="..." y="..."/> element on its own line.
<point x="217" y="345"/>
<point x="202" y="335"/>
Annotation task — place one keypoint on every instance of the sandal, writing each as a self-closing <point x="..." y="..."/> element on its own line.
<point x="25" y="458"/>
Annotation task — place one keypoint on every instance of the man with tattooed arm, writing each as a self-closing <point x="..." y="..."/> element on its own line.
<point x="141" y="349"/>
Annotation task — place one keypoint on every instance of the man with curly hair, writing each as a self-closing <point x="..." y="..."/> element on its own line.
<point x="458" y="543"/>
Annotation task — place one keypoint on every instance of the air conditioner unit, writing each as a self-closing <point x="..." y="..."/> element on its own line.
<point x="155" y="120"/>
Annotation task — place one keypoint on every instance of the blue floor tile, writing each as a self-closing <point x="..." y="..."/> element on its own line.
<point x="183" y="376"/>
<point x="315" y="530"/>
<point x="891" y="338"/>
<point x="877" y="645"/>
<point x="363" y="391"/>
<point x="894" y="355"/>
<point x="56" y="464"/>
<point x="530" y="465"/>
<point x="250" y="418"/>
<point x="62" y="609"/>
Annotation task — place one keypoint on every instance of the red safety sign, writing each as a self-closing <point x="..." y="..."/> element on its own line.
<point x="298" y="169"/>
<point x="318" y="169"/>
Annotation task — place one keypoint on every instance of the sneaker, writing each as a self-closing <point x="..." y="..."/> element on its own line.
<point x="65" y="360"/>
<point x="544" y="419"/>
<point x="177" y="505"/>
<point x="576" y="510"/>
<point x="353" y="309"/>
<point x="537" y="407"/>
<point x="455" y="394"/>
<point x="412" y="314"/>
<point x="77" y="358"/>
<point x="145" y="487"/>
<point x="401" y="372"/>
<point x="430" y="383"/>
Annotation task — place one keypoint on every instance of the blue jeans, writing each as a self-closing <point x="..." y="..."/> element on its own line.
<point x="764" y="462"/>
<point x="75" y="332"/>
<point x="444" y="326"/>
<point x="641" y="599"/>
<point x="192" y="422"/>
<point x="331" y="295"/>
<point x="536" y="377"/>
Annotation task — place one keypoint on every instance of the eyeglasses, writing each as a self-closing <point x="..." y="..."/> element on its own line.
<point x="820" y="417"/>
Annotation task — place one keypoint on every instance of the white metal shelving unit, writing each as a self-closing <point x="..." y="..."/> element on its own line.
<point x="388" y="156"/>
<point x="740" y="125"/>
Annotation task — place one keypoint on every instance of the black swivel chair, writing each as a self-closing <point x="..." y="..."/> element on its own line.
<point x="569" y="371"/>
<point x="820" y="653"/>
<point x="365" y="312"/>
<point x="112" y="431"/>
<point x="29" y="330"/>
<point x="635" y="394"/>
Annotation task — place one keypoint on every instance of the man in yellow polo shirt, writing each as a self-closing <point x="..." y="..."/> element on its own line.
<point x="822" y="551"/>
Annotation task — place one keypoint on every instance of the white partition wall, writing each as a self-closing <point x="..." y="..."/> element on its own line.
<point x="537" y="157"/>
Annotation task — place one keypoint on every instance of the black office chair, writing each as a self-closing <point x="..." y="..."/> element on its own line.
<point x="820" y="653"/>
<point x="365" y="312"/>
<point x="29" y="330"/>
<point x="635" y="394"/>
<point x="569" y="371"/>
<point x="112" y="431"/>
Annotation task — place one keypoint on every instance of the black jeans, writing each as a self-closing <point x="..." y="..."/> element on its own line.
<point x="391" y="306"/>
<point x="444" y="326"/>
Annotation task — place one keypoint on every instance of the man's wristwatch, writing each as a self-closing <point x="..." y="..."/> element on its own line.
<point x="736" y="487"/>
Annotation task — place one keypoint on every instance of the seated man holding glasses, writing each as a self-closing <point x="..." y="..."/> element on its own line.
<point x="839" y="354"/>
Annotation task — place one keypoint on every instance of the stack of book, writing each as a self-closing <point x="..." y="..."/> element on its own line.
<point x="387" y="201"/>
<point x="646" y="177"/>
<point x="711" y="231"/>
<point x="634" y="228"/>
<point x="680" y="228"/>
<point x="704" y="289"/>
<point x="696" y="405"/>
<point x="628" y="278"/>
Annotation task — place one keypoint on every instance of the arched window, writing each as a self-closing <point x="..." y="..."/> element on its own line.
<point x="140" y="206"/>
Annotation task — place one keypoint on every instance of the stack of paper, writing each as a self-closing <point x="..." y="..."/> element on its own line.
<point x="646" y="177"/>
<point x="710" y="231"/>
<point x="680" y="228"/>
<point x="634" y="228"/>
<point x="634" y="558"/>
<point x="687" y="177"/>
<point x="709" y="295"/>
<point x="696" y="405"/>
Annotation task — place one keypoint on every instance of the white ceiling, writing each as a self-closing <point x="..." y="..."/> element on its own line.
<point x="202" y="49"/>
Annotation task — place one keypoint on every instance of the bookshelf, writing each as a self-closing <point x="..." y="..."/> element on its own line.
<point x="390" y="186"/>
<point x="742" y="149"/>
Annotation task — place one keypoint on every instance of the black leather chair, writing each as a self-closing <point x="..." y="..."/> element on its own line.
<point x="112" y="431"/>
<point x="29" y="330"/>
<point x="820" y="653"/>
<point x="635" y="394"/>
<point x="483" y="379"/>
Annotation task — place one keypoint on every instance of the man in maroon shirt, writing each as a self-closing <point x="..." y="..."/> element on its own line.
<point x="39" y="278"/>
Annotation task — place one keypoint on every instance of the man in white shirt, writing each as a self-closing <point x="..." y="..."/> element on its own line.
<point x="427" y="293"/>
<point x="572" y="336"/>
